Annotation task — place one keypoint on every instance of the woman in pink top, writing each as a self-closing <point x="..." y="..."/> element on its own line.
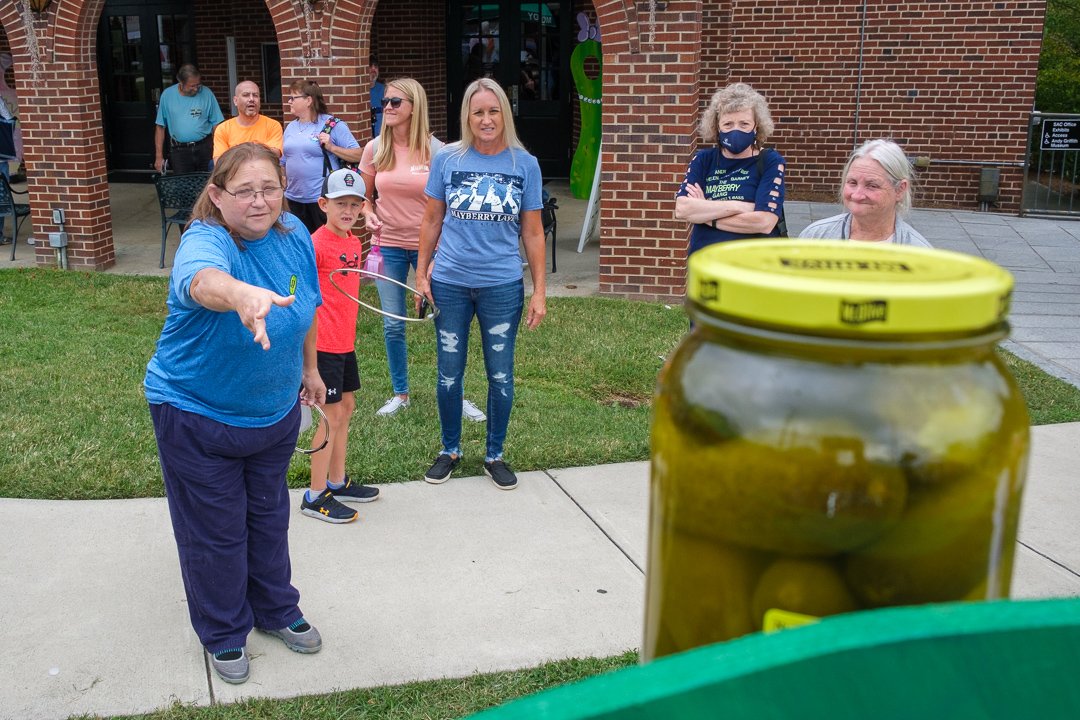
<point x="396" y="164"/>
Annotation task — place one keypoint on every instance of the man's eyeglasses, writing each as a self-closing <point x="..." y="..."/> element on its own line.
<point x="247" y="195"/>
<point x="346" y="262"/>
<point x="394" y="102"/>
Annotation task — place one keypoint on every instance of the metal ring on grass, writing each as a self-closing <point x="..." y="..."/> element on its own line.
<point x="368" y="273"/>
<point x="306" y="423"/>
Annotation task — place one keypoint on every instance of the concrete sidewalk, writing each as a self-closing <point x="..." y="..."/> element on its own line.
<point x="434" y="581"/>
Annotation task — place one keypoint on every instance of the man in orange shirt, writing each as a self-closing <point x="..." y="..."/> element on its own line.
<point x="248" y="125"/>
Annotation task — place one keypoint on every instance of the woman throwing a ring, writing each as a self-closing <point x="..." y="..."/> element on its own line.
<point x="238" y="341"/>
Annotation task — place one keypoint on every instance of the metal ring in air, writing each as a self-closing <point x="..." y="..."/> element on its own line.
<point x="368" y="273"/>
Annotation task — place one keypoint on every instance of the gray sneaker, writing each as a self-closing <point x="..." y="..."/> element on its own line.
<point x="231" y="665"/>
<point x="299" y="637"/>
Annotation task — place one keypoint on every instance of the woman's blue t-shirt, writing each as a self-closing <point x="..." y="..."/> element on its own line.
<point x="485" y="196"/>
<point x="723" y="178"/>
<point x="207" y="362"/>
<point x="302" y="156"/>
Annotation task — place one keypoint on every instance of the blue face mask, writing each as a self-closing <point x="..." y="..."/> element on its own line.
<point x="736" y="141"/>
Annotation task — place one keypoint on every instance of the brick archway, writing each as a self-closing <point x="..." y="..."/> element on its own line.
<point x="64" y="144"/>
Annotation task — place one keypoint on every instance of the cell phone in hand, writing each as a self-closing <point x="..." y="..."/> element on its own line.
<point x="424" y="308"/>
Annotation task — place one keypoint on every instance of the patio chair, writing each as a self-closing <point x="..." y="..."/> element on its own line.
<point x="176" y="197"/>
<point x="551" y="226"/>
<point x="11" y="209"/>
<point x="551" y="223"/>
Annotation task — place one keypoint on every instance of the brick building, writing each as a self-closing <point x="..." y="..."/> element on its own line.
<point x="953" y="81"/>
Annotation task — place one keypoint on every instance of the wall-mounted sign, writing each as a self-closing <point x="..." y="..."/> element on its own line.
<point x="1060" y="135"/>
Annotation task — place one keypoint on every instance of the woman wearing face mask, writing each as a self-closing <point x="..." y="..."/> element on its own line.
<point x="876" y="190"/>
<point x="735" y="188"/>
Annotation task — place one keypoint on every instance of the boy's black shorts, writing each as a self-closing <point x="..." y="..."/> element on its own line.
<point x="339" y="373"/>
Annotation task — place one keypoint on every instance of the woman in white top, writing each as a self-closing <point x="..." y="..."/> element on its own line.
<point x="876" y="191"/>
<point x="397" y="164"/>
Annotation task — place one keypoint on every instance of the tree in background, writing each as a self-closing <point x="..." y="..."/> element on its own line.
<point x="1058" y="86"/>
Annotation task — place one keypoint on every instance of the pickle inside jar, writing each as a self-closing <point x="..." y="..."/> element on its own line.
<point x="699" y="592"/>
<point x="820" y="498"/>
<point x="946" y="546"/>
<point x="808" y="586"/>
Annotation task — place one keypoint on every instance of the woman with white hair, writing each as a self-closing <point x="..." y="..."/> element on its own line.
<point x="876" y="191"/>
<point x="733" y="189"/>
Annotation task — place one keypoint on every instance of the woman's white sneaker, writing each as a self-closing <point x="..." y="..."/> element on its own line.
<point x="392" y="407"/>
<point x="471" y="412"/>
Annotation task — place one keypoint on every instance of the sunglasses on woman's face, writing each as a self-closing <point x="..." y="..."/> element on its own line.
<point x="394" y="102"/>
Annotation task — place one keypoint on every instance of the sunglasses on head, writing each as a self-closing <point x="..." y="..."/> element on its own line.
<point x="394" y="102"/>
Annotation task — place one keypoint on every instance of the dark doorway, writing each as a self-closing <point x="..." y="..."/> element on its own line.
<point x="141" y="45"/>
<point x="525" y="46"/>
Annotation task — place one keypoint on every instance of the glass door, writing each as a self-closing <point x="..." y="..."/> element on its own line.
<point x="140" y="48"/>
<point x="525" y="46"/>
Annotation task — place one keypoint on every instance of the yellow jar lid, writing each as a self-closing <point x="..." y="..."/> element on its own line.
<point x="843" y="287"/>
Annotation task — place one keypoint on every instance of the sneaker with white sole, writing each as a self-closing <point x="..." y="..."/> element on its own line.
<point x="327" y="508"/>
<point x="353" y="492"/>
<point x="392" y="407"/>
<point x="500" y="474"/>
<point x="231" y="665"/>
<point x="440" y="470"/>
<point x="299" y="637"/>
<point x="471" y="412"/>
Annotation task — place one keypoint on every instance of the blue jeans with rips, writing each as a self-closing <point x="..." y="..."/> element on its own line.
<point x="392" y="298"/>
<point x="498" y="313"/>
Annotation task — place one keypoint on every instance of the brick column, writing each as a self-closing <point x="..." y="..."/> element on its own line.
<point x="329" y="43"/>
<point x="63" y="143"/>
<point x="651" y="64"/>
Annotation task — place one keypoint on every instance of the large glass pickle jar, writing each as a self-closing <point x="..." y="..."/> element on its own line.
<point x="835" y="433"/>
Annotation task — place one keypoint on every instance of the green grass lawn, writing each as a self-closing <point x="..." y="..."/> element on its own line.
<point x="74" y="348"/>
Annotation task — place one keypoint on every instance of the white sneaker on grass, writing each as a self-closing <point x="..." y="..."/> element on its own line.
<point x="392" y="407"/>
<point x="471" y="412"/>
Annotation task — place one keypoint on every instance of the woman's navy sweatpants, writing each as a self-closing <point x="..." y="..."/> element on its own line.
<point x="230" y="514"/>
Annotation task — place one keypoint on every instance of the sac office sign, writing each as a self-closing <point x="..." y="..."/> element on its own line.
<point x="1061" y="135"/>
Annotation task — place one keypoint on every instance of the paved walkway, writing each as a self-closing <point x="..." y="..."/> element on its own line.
<point x="444" y="581"/>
